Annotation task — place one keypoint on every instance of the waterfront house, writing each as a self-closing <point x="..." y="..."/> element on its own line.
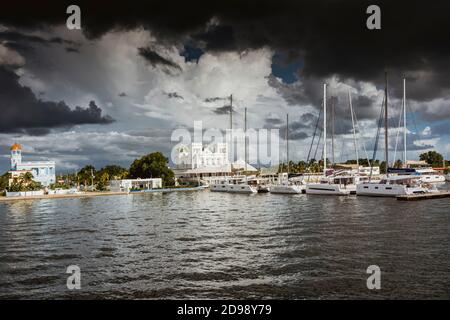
<point x="125" y="185"/>
<point x="42" y="171"/>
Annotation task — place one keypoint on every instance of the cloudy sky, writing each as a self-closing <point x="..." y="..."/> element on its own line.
<point x="136" y="71"/>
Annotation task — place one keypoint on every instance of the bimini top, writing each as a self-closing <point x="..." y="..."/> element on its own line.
<point x="16" y="147"/>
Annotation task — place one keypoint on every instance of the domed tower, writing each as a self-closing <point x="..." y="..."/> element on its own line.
<point x="16" y="155"/>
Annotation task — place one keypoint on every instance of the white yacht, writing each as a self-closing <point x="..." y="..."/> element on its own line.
<point x="234" y="185"/>
<point x="341" y="184"/>
<point x="430" y="175"/>
<point x="284" y="185"/>
<point x="447" y="177"/>
<point x="287" y="187"/>
<point x="392" y="186"/>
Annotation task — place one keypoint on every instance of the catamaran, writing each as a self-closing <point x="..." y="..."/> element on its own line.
<point x="341" y="182"/>
<point x="284" y="184"/>
<point x="392" y="186"/>
<point x="233" y="184"/>
<point x="426" y="175"/>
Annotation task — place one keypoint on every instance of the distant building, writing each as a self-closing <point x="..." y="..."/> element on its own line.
<point x="138" y="184"/>
<point x="43" y="171"/>
<point x="200" y="162"/>
<point x="198" y="156"/>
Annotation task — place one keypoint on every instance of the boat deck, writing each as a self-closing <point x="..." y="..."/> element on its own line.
<point x="425" y="196"/>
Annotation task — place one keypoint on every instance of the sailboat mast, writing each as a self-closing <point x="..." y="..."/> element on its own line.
<point x="287" y="142"/>
<point x="404" y="120"/>
<point x="245" y="137"/>
<point x="354" y="129"/>
<point x="324" y="129"/>
<point x="386" y="142"/>
<point x="333" y="107"/>
<point x="231" y="112"/>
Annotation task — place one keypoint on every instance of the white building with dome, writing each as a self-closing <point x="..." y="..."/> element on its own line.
<point x="43" y="171"/>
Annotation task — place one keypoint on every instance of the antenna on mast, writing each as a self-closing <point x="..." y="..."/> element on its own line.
<point x="354" y="129"/>
<point x="324" y="129"/>
<point x="287" y="142"/>
<point x="404" y="120"/>
<point x="386" y="141"/>
<point x="245" y="137"/>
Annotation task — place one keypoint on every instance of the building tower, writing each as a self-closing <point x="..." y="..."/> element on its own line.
<point x="16" y="155"/>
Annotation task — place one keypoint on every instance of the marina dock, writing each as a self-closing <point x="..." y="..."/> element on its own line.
<point x="424" y="196"/>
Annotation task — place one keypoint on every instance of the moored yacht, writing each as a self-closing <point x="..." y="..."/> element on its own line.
<point x="430" y="175"/>
<point x="392" y="186"/>
<point x="234" y="185"/>
<point x="344" y="184"/>
<point x="426" y="175"/>
<point x="287" y="186"/>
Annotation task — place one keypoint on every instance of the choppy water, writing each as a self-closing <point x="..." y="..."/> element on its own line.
<point x="215" y="245"/>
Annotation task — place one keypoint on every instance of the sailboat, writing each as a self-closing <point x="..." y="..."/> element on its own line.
<point x="285" y="185"/>
<point x="426" y="174"/>
<point x="392" y="186"/>
<point x="342" y="182"/>
<point x="235" y="184"/>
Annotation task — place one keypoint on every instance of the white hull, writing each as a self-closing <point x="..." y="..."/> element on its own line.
<point x="330" y="189"/>
<point x="386" y="190"/>
<point x="233" y="188"/>
<point x="432" y="178"/>
<point x="288" y="189"/>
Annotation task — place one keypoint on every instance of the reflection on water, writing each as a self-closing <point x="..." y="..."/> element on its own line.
<point x="216" y="245"/>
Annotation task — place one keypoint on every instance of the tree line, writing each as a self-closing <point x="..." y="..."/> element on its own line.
<point x="152" y="165"/>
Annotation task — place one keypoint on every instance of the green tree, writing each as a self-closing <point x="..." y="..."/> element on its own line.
<point x="84" y="176"/>
<point x="433" y="158"/>
<point x="114" y="172"/>
<point x="383" y="168"/>
<point x="153" y="165"/>
<point x="398" y="164"/>
<point x="4" y="181"/>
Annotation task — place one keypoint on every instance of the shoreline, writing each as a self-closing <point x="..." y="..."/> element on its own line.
<point x="95" y="194"/>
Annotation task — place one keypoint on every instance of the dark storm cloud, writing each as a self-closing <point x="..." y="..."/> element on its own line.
<point x="223" y="110"/>
<point x="213" y="99"/>
<point x="11" y="36"/>
<point x="330" y="35"/>
<point x="273" y="122"/>
<point x="22" y="111"/>
<point x="74" y="50"/>
<point x="173" y="95"/>
<point x="155" y="59"/>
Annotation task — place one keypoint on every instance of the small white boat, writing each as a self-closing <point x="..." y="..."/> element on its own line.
<point x="236" y="185"/>
<point x="430" y="175"/>
<point x="393" y="186"/>
<point x="447" y="177"/>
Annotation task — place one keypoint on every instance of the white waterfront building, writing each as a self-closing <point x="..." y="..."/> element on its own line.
<point x="196" y="162"/>
<point x="42" y="171"/>
<point x="199" y="156"/>
<point x="126" y="185"/>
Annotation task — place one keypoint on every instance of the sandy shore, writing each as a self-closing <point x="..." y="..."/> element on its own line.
<point x="62" y="196"/>
<point x="94" y="194"/>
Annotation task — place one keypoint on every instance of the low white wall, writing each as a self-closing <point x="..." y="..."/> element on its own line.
<point x="25" y="193"/>
<point x="63" y="191"/>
